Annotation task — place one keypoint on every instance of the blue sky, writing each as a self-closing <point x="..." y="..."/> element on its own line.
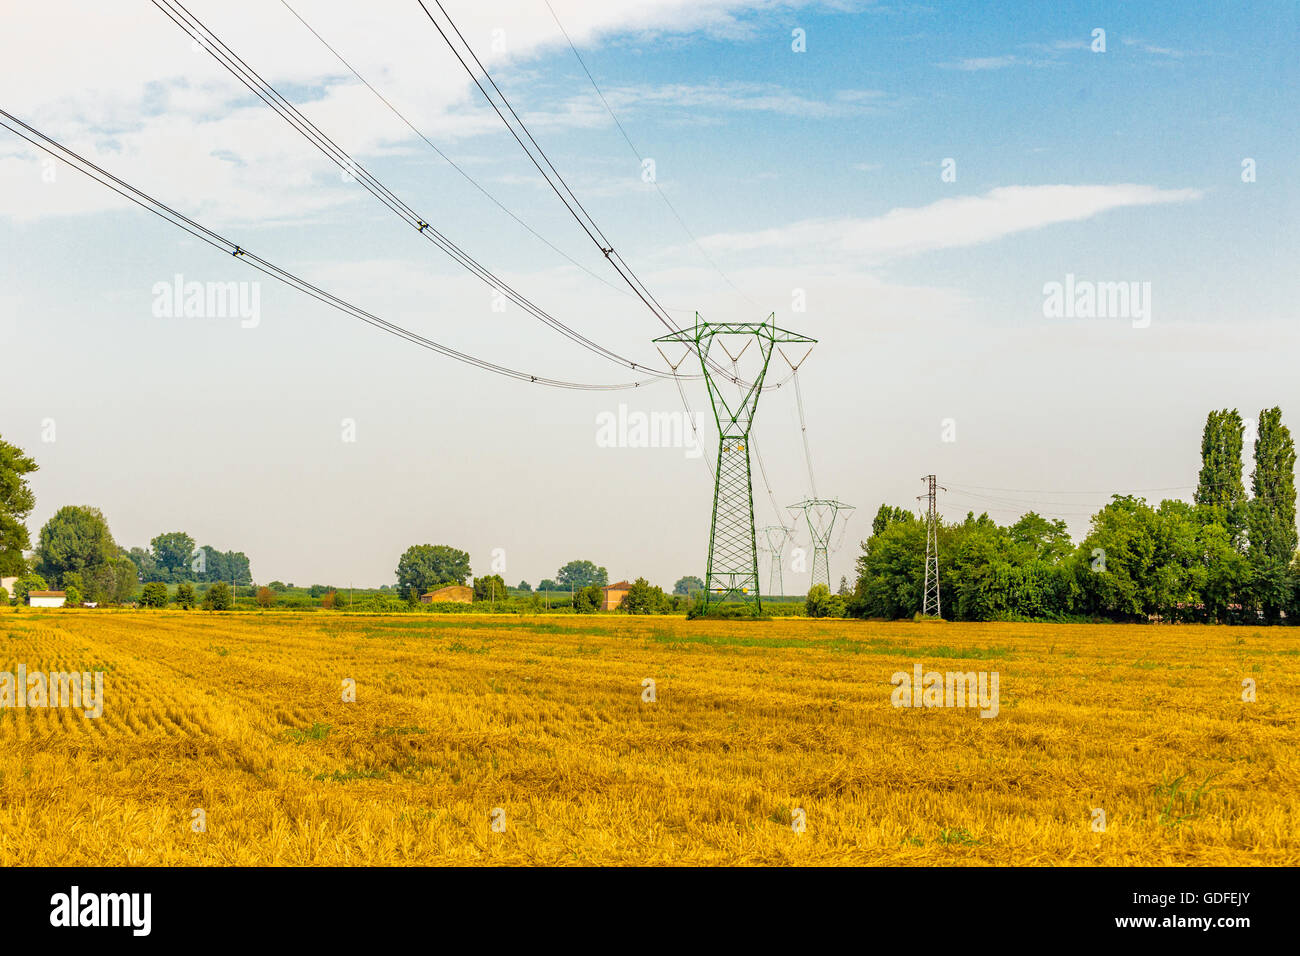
<point x="817" y="171"/>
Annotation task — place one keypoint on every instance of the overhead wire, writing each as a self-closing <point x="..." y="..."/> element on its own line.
<point x="268" y="94"/>
<point x="217" y="241"/>
<point x="640" y="158"/>
<point x="558" y="184"/>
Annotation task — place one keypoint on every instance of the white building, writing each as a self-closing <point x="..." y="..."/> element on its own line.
<point x="46" y="598"/>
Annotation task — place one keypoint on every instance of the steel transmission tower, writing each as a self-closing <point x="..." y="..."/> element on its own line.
<point x="820" y="514"/>
<point x="776" y="536"/>
<point x="733" y="546"/>
<point x="930" y="605"/>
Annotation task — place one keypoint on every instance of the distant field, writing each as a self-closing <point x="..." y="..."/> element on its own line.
<point x="543" y="719"/>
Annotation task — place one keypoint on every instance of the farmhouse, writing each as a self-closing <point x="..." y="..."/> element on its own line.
<point x="46" y="598"/>
<point x="614" y="594"/>
<point x="457" y="593"/>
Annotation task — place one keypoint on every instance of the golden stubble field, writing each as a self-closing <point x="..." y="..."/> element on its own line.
<point x="540" y="724"/>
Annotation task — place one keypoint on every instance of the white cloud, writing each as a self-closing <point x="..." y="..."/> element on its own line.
<point x="983" y="63"/>
<point x="962" y="221"/>
<point x="127" y="87"/>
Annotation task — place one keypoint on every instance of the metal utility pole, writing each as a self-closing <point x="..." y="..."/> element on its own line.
<point x="930" y="606"/>
<point x="732" y="568"/>
<point x="820" y="514"/>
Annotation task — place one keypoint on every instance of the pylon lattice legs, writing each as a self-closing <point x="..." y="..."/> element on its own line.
<point x="733" y="551"/>
<point x="821" y="567"/>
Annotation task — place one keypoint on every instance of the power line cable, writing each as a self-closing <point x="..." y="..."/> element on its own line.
<point x="639" y="156"/>
<point x="217" y="241"/>
<point x="451" y="162"/>
<point x="269" y="95"/>
<point x="558" y="184"/>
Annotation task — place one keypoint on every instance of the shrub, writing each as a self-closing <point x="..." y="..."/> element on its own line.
<point x="218" y="597"/>
<point x="588" y="599"/>
<point x="72" y="596"/>
<point x="154" y="594"/>
<point x="643" y="598"/>
<point x="265" y="597"/>
<point x="185" y="595"/>
<point x="25" y="585"/>
<point x="4" y="597"/>
<point x="821" y="603"/>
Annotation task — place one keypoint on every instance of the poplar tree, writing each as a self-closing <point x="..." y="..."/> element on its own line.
<point x="1272" y="526"/>
<point x="1220" y="488"/>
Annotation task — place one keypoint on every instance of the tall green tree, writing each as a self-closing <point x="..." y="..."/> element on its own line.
<point x="490" y="588"/>
<point x="688" y="584"/>
<point x="173" y="553"/>
<point x="1117" y="560"/>
<point x="429" y="566"/>
<point x="75" y="539"/>
<point x="16" y="503"/>
<point x="887" y="515"/>
<point x="144" y="563"/>
<point x="1272" y="513"/>
<point x="1219" y="488"/>
<point x="581" y="574"/>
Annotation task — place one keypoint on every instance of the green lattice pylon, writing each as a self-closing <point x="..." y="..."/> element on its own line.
<point x="820" y="513"/>
<point x="732" y="569"/>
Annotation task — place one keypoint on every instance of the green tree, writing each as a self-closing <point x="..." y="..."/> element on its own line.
<point x="154" y="594"/>
<point x="490" y="588"/>
<point x="887" y="515"/>
<point x="588" y="599"/>
<point x="4" y="597"/>
<point x="1118" y="560"/>
<point x="1219" y="487"/>
<point x="279" y="587"/>
<point x="688" y="585"/>
<point x="430" y="566"/>
<point x="821" y="603"/>
<point x="1036" y="537"/>
<point x="27" y="584"/>
<point x="72" y="596"/>
<point x="525" y="587"/>
<point x="145" y="564"/>
<point x="1272" y="514"/>
<point x="185" y="595"/>
<point x="644" y="598"/>
<point x="112" y="582"/>
<point x="174" y="554"/>
<point x="75" y="539"/>
<point x="218" y="597"/>
<point x="891" y="569"/>
<point x="16" y="503"/>
<point x="581" y="574"/>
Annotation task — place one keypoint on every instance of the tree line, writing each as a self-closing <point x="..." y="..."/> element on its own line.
<point x="1225" y="557"/>
<point x="75" y="551"/>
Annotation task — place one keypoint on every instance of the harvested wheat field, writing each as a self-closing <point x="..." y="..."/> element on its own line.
<point x="507" y="740"/>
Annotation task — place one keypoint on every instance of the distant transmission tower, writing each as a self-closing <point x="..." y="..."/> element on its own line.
<point x="930" y="606"/>
<point x="820" y="513"/>
<point x="776" y="536"/>
<point x="733" y="546"/>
